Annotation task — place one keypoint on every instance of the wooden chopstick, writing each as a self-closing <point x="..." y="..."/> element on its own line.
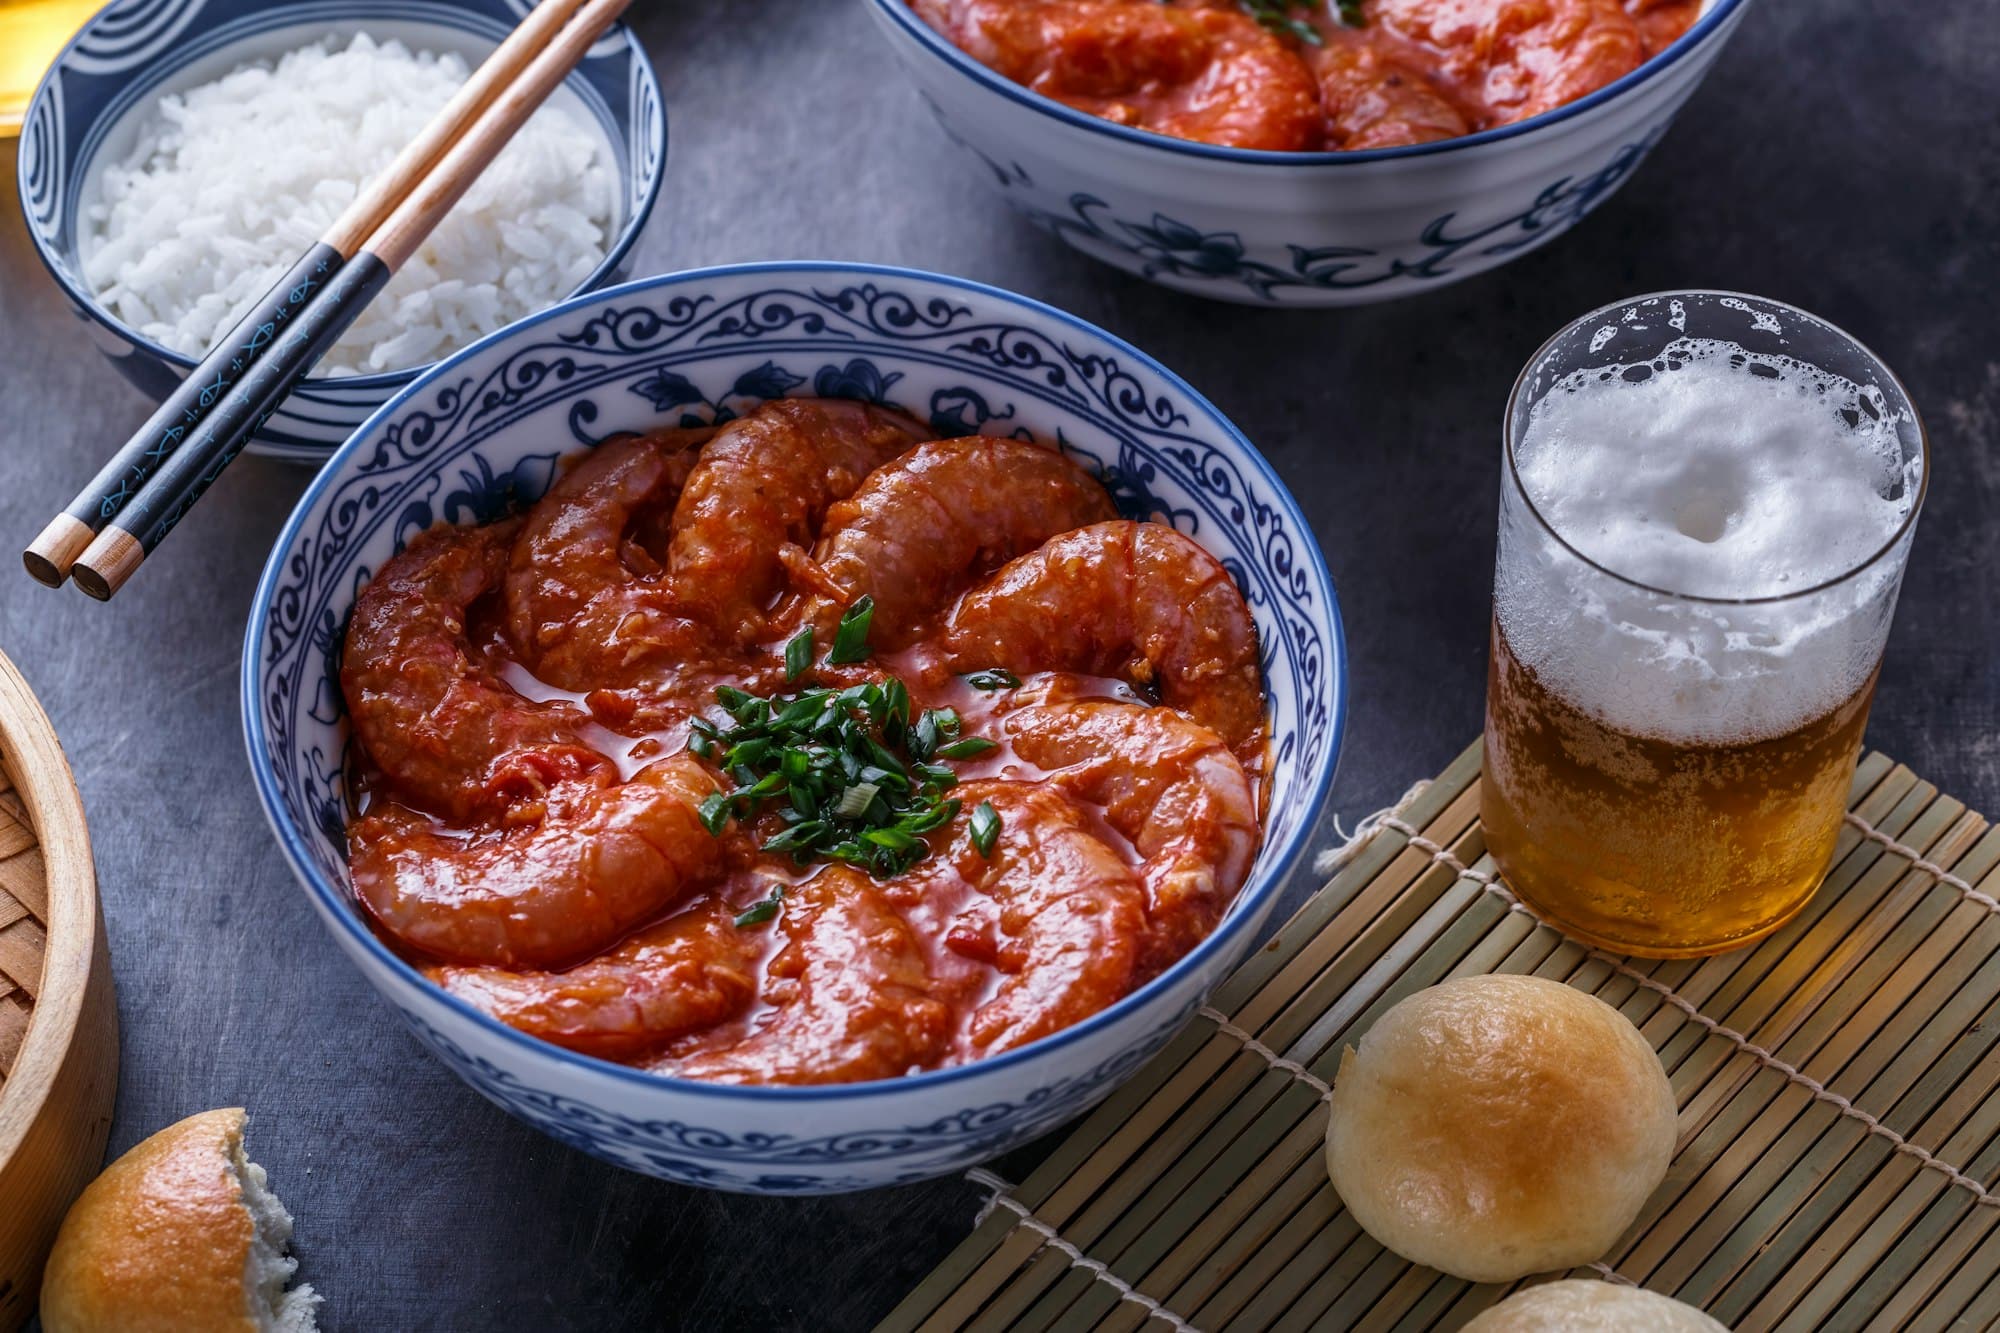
<point x="148" y="517"/>
<point x="51" y="556"/>
<point x="118" y="550"/>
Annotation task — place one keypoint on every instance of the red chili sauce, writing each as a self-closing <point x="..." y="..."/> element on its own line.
<point x="806" y="749"/>
<point x="1410" y="72"/>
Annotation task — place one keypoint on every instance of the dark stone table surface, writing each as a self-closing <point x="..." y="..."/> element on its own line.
<point x="1844" y="155"/>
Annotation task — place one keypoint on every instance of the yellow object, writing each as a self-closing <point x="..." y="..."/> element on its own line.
<point x="1497" y="1126"/>
<point x="31" y="32"/>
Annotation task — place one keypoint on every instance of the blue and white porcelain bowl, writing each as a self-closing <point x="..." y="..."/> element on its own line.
<point x="134" y="51"/>
<point x="1302" y="229"/>
<point x="481" y="433"/>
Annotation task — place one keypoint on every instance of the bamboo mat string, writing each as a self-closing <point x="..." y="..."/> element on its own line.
<point x="1916" y="859"/>
<point x="1269" y="1056"/>
<point x="1001" y="1196"/>
<point x="1491" y="883"/>
<point x="1352" y="844"/>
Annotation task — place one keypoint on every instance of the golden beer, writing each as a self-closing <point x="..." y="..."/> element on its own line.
<point x="1707" y="508"/>
<point x="1654" y="846"/>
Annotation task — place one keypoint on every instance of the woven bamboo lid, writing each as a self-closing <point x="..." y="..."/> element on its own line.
<point x="58" y="1017"/>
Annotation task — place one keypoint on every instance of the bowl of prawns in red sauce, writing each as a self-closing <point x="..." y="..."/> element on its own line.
<point x="795" y="728"/>
<point x="1318" y="152"/>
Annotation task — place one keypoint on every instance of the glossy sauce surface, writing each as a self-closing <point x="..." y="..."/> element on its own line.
<point x="1410" y="72"/>
<point x="532" y="826"/>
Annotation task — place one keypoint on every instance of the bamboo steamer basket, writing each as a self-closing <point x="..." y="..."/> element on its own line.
<point x="58" y="1015"/>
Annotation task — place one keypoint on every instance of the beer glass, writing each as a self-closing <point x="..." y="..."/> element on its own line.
<point x="1707" y="506"/>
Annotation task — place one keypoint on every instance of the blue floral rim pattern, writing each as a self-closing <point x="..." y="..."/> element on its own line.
<point x="1167" y="247"/>
<point x="718" y="1158"/>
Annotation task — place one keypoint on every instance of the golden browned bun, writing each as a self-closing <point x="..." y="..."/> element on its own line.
<point x="1493" y="1127"/>
<point x="178" y="1235"/>
<point x="1581" y="1305"/>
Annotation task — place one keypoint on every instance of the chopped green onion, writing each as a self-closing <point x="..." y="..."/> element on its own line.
<point x="884" y="777"/>
<point x="855" y="800"/>
<point x="881" y="755"/>
<point x="850" y="638"/>
<point x="847" y="773"/>
<point x="797" y="714"/>
<point x="798" y="835"/>
<point x="894" y="839"/>
<point x="761" y="912"/>
<point x="936" y="817"/>
<point x="747" y="754"/>
<point x="985" y="828"/>
<point x="996" y="679"/>
<point x="1278" y="16"/>
<point x="922" y="741"/>
<point x="799" y="653"/>
<point x="714" y="812"/>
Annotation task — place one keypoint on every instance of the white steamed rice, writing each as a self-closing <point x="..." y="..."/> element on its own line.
<point x="230" y="182"/>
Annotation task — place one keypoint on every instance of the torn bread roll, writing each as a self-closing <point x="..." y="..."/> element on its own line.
<point x="178" y="1235"/>
<point x="1584" y="1305"/>
<point x="1497" y="1126"/>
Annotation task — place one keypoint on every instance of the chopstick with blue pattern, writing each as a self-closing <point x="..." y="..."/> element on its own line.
<point x="228" y="395"/>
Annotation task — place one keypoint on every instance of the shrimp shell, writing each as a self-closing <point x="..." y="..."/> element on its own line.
<point x="1521" y="58"/>
<point x="1062" y="915"/>
<point x="443" y="733"/>
<point x="1374" y="100"/>
<point x="683" y="975"/>
<point x="1170" y="786"/>
<point x="586" y="604"/>
<point x="851" y="994"/>
<point x="1138" y="601"/>
<point x="1212" y="74"/>
<point x="561" y="883"/>
<point x="762" y="486"/>
<point x="925" y="525"/>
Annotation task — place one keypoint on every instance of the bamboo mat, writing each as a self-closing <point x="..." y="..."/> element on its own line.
<point x="1839" y="1124"/>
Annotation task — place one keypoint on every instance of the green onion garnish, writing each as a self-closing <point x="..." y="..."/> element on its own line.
<point x="849" y="773"/>
<point x="985" y="828"/>
<point x="996" y="679"/>
<point x="758" y="913"/>
<point x="799" y="653"/>
<point x="715" y="809"/>
<point x="855" y="801"/>
<point x="850" y="638"/>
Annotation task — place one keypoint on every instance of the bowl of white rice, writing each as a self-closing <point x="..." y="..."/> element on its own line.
<point x="181" y="154"/>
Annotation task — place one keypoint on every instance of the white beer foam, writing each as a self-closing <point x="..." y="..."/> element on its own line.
<point x="1715" y="473"/>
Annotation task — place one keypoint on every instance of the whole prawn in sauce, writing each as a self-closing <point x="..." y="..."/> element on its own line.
<point x="803" y="749"/>
<point x="1408" y="72"/>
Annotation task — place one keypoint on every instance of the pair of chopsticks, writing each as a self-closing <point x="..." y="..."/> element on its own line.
<point x="148" y="486"/>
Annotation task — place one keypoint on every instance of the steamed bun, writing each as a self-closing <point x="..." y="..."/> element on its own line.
<point x="1497" y="1126"/>
<point x="1582" y="1305"/>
